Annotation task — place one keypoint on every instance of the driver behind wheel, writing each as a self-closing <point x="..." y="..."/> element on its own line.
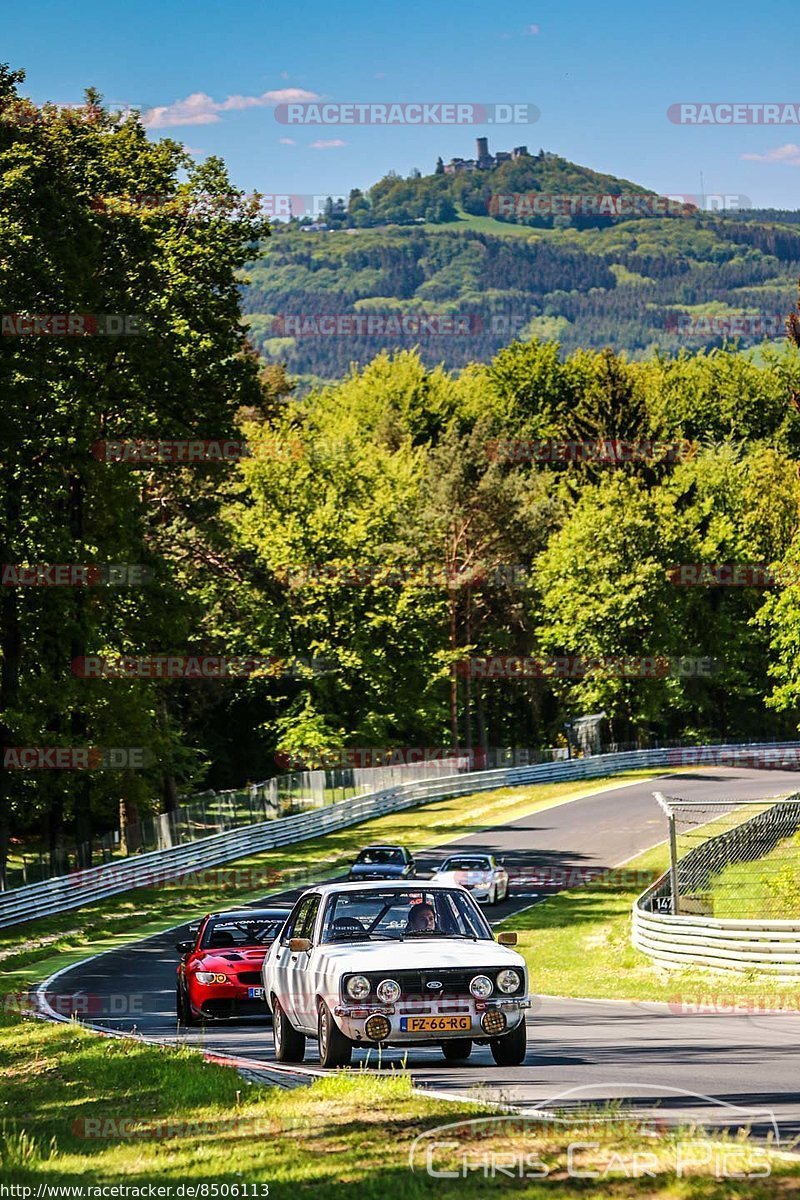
<point x="421" y="919"/>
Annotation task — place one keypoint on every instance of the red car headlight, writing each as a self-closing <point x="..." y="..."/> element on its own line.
<point x="211" y="977"/>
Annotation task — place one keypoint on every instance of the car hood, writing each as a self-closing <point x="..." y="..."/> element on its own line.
<point x="459" y="878"/>
<point x="419" y="954"/>
<point x="222" y="960"/>
<point x="385" y="869"/>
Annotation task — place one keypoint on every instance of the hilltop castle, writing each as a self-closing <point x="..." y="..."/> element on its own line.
<point x="484" y="161"/>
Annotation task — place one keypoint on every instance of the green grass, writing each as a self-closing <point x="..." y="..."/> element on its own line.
<point x="161" y="1116"/>
<point x="480" y="224"/>
<point x="31" y="951"/>
<point x="767" y="889"/>
<point x="578" y="943"/>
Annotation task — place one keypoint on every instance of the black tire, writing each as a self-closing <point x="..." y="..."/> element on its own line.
<point x="290" y="1046"/>
<point x="457" y="1050"/>
<point x="510" y="1050"/>
<point x="335" y="1050"/>
<point x="184" y="1008"/>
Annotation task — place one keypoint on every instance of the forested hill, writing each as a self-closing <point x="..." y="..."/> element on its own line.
<point x="456" y="244"/>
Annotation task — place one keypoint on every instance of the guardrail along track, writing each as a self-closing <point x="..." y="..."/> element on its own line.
<point x="142" y="870"/>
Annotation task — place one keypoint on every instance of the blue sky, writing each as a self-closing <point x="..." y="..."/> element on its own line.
<point x="602" y="76"/>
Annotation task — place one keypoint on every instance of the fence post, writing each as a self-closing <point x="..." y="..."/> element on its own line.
<point x="673" y="865"/>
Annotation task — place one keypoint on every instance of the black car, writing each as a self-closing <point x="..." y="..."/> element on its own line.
<point x="383" y="862"/>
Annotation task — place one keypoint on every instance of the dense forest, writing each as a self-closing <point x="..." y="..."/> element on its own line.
<point x="374" y="540"/>
<point x="642" y="284"/>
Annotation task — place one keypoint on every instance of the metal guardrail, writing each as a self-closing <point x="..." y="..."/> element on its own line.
<point x="97" y="883"/>
<point x="681" y="939"/>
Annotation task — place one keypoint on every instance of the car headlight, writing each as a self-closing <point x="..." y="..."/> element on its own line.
<point x="481" y="986"/>
<point x="358" y="987"/>
<point x="211" y="977"/>
<point x="388" y="990"/>
<point x="508" y="981"/>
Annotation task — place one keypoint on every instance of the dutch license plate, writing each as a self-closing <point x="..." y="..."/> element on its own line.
<point x="255" y="993"/>
<point x="435" y="1024"/>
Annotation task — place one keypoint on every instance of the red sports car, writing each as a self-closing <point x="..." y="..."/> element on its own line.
<point x="219" y="974"/>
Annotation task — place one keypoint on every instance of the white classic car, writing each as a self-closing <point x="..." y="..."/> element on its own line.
<point x="480" y="874"/>
<point x="396" y="963"/>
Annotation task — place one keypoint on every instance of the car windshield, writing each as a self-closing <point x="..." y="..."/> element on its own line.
<point x="373" y="914"/>
<point x="242" y="931"/>
<point x="467" y="864"/>
<point x="380" y="854"/>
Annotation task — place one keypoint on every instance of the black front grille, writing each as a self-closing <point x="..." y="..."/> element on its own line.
<point x="233" y="1008"/>
<point x="455" y="982"/>
<point x="249" y="977"/>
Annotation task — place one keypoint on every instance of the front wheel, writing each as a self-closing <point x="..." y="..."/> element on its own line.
<point x="184" y="1008"/>
<point x="290" y="1046"/>
<point x="509" y="1050"/>
<point x="457" y="1050"/>
<point x="335" y="1049"/>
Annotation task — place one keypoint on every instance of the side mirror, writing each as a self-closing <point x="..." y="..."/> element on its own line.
<point x="507" y="939"/>
<point x="184" y="947"/>
<point x="300" y="945"/>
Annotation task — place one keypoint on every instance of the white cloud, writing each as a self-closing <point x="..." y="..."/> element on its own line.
<point x="287" y="141"/>
<point x="530" y="30"/>
<point x="333" y="144"/>
<point x="202" y="109"/>
<point x="790" y="154"/>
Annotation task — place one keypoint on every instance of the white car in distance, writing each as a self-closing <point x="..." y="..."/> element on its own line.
<point x="394" y="964"/>
<point x="481" y="874"/>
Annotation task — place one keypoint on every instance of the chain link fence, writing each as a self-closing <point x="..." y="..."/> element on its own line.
<point x="737" y="859"/>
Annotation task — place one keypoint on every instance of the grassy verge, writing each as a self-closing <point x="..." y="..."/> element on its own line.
<point x="578" y="943"/>
<point x="31" y="951"/>
<point x="80" y="1110"/>
<point x="766" y="889"/>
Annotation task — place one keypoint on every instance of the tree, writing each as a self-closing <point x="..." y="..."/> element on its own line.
<point x="439" y="166"/>
<point x="78" y="239"/>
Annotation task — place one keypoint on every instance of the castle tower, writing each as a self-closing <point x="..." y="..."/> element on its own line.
<point x="482" y="145"/>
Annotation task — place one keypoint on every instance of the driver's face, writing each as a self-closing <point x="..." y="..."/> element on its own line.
<point x="424" y="920"/>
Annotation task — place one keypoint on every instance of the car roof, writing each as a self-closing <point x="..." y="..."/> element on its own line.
<point x="483" y="857"/>
<point x="383" y="885"/>
<point x="381" y="846"/>
<point x="241" y="914"/>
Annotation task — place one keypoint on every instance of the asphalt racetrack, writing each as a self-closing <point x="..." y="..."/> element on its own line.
<point x="725" y="1068"/>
